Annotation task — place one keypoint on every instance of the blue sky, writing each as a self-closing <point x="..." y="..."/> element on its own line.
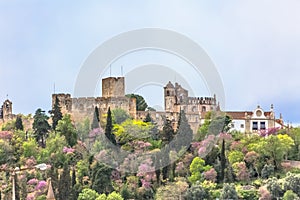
<point x="255" y="45"/>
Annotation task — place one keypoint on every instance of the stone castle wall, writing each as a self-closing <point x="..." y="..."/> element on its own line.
<point x="113" y="96"/>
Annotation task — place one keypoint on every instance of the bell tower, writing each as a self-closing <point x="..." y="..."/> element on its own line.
<point x="170" y="97"/>
<point x="6" y="110"/>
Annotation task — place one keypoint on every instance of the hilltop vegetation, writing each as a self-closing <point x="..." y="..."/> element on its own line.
<point x="133" y="159"/>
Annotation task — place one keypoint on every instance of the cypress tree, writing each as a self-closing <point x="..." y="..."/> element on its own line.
<point x="95" y="123"/>
<point x="223" y="161"/>
<point x="184" y="134"/>
<point x="167" y="132"/>
<point x="56" y="113"/>
<point x="108" y="128"/>
<point x="19" y="123"/>
<point x="148" y="118"/>
<point x="64" y="185"/>
<point x="40" y="127"/>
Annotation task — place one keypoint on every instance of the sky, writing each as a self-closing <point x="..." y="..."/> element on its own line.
<point x="254" y="44"/>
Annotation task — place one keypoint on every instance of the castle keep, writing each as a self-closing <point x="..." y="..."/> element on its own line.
<point x="113" y="90"/>
<point x="113" y="95"/>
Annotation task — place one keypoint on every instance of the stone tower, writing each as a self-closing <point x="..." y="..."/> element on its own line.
<point x="6" y="110"/>
<point x="170" y="97"/>
<point x="113" y="87"/>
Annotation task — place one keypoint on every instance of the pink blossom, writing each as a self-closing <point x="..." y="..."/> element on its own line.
<point x="30" y="196"/>
<point x="33" y="181"/>
<point x="269" y="131"/>
<point x="6" y="135"/>
<point x="41" y="185"/>
<point x="95" y="132"/>
<point x="225" y="136"/>
<point x="210" y="175"/>
<point x="30" y="162"/>
<point x="146" y="184"/>
<point x="68" y="150"/>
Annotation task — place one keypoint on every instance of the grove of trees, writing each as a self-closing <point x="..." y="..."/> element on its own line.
<point x="124" y="158"/>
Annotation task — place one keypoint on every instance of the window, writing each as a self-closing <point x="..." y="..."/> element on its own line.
<point x="254" y="126"/>
<point x="262" y="125"/>
<point x="203" y="109"/>
<point x="242" y="126"/>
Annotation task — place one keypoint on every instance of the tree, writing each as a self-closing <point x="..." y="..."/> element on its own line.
<point x="235" y="156"/>
<point x="223" y="161"/>
<point x="290" y="195"/>
<point x="167" y="132"/>
<point x="228" y="192"/>
<point x="197" y="168"/>
<point x="56" y="113"/>
<point x="184" y="135"/>
<point x="108" y="128"/>
<point x="274" y="147"/>
<point x="19" y="123"/>
<point x="64" y="185"/>
<point x="196" y="192"/>
<point x="292" y="182"/>
<point x="131" y="130"/>
<point x="66" y="128"/>
<point x="273" y="185"/>
<point x="41" y="127"/>
<point x="141" y="104"/>
<point x="95" y="123"/>
<point x="172" y="191"/>
<point x="101" y="178"/>
<point x="148" y="118"/>
<point x="88" y="194"/>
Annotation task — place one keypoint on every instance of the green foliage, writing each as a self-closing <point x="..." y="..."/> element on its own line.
<point x="184" y="135"/>
<point x="56" y="113"/>
<point x="132" y="130"/>
<point x="294" y="153"/>
<point x="197" y="168"/>
<point x="19" y="123"/>
<point x="196" y="192"/>
<point x="141" y="104"/>
<point x="83" y="129"/>
<point x="267" y="171"/>
<point x="171" y="191"/>
<point x="290" y="195"/>
<point x="274" y="187"/>
<point x="66" y="128"/>
<point x="9" y="126"/>
<point x="109" y="128"/>
<point x="101" y="197"/>
<point x="64" y="185"/>
<point x="53" y="152"/>
<point x="148" y="118"/>
<point x="88" y="194"/>
<point x="41" y="127"/>
<point x="273" y="146"/>
<point x="228" y="192"/>
<point x="247" y="192"/>
<point x="6" y="152"/>
<point x="235" y="156"/>
<point x="114" y="196"/>
<point x="30" y="148"/>
<point x="167" y="132"/>
<point x="119" y="116"/>
<point x="101" y="178"/>
<point x="292" y="182"/>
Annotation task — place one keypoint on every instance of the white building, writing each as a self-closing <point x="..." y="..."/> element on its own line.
<point x="253" y="121"/>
